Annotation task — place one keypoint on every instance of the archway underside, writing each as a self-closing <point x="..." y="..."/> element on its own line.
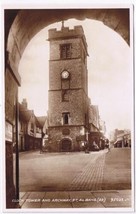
<point x="29" y="22"/>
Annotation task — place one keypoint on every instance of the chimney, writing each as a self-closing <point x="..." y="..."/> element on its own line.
<point x="24" y="103"/>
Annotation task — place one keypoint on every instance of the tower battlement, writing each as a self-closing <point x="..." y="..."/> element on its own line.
<point x="65" y="33"/>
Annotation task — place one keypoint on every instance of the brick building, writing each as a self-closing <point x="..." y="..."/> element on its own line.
<point x="68" y="118"/>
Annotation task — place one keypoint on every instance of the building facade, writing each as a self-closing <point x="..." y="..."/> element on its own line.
<point x="68" y="89"/>
<point x="94" y="118"/>
<point x="96" y="128"/>
<point x="30" y="130"/>
<point x="122" y="138"/>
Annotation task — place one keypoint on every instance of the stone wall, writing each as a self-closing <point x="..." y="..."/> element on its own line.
<point x="10" y="106"/>
<point x="76" y="106"/>
<point x="59" y="133"/>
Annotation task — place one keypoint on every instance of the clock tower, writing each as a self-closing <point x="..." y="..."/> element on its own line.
<point x="68" y="89"/>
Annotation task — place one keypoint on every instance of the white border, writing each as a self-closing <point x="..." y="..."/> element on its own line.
<point x="42" y="4"/>
<point x="56" y="4"/>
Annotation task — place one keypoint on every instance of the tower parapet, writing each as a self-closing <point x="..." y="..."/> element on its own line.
<point x="66" y="33"/>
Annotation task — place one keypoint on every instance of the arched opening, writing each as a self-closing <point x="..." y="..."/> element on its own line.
<point x="18" y="32"/>
<point x="106" y="67"/>
<point x="66" y="145"/>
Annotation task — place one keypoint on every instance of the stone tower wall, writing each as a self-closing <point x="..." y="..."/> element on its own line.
<point x="77" y="104"/>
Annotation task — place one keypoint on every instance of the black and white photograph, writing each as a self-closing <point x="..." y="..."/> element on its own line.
<point x="68" y="108"/>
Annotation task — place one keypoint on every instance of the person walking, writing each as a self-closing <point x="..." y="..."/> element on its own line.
<point x="108" y="147"/>
<point x="86" y="147"/>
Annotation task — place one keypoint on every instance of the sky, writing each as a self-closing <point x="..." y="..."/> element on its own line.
<point x="109" y="73"/>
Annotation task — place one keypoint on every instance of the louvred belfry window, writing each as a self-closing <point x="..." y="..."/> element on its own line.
<point x="65" y="51"/>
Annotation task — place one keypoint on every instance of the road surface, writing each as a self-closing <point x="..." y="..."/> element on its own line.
<point x="61" y="171"/>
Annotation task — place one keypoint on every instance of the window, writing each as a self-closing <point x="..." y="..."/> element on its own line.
<point x="65" y="51"/>
<point x="65" y="95"/>
<point x="65" y="117"/>
<point x="32" y="127"/>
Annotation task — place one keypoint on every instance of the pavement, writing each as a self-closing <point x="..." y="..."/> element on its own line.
<point x="76" y="199"/>
<point x="85" y="188"/>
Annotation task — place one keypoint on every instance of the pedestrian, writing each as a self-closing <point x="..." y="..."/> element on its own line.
<point x="86" y="147"/>
<point x="41" y="149"/>
<point x="108" y="147"/>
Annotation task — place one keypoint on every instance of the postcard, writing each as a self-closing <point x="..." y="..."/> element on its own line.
<point x="68" y="108"/>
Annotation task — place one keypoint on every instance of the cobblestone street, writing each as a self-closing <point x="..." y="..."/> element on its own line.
<point x="70" y="180"/>
<point x="90" y="178"/>
<point x="62" y="172"/>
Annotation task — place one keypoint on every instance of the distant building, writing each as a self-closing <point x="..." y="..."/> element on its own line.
<point x="96" y="128"/>
<point x="43" y="121"/>
<point x="112" y="136"/>
<point x="94" y="118"/>
<point x="102" y="126"/>
<point x="122" y="138"/>
<point x="30" y="130"/>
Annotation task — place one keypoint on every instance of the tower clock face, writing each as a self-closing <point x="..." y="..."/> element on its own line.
<point x="65" y="74"/>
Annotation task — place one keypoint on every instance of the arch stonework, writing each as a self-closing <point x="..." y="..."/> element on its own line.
<point x="27" y="23"/>
<point x="20" y="27"/>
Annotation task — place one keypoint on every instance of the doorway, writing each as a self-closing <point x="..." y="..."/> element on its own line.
<point x="66" y="145"/>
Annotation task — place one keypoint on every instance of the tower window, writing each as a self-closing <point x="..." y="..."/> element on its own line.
<point x="65" y="51"/>
<point x="65" y="118"/>
<point x="65" y="95"/>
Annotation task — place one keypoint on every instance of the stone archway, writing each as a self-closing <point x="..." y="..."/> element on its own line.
<point x="20" y="27"/>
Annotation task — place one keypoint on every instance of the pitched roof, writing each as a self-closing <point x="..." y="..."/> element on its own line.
<point x="42" y="120"/>
<point x="24" y="114"/>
